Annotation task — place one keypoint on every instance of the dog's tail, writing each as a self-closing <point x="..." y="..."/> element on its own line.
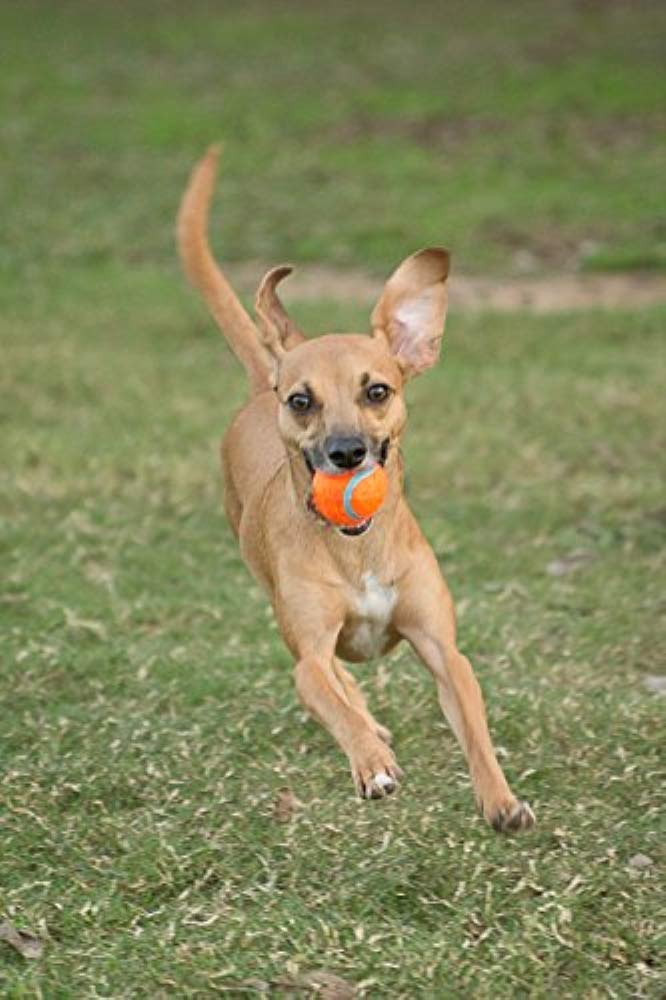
<point x="206" y="276"/>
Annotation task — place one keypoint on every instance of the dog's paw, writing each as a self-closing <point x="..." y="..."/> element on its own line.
<point x="375" y="770"/>
<point x="380" y="785"/>
<point x="513" y="818"/>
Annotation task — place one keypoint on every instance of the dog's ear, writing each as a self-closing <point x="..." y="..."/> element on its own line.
<point x="411" y="312"/>
<point x="278" y="330"/>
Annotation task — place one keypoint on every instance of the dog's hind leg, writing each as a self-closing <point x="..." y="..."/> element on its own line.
<point x="232" y="505"/>
<point x="357" y="699"/>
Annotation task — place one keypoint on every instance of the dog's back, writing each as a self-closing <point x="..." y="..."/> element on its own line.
<point x="258" y="453"/>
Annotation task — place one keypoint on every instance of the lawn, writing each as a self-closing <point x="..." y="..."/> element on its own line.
<point x="149" y="718"/>
<point x="147" y="708"/>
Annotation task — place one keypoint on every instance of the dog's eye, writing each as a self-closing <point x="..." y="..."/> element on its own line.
<point x="299" y="402"/>
<point x="378" y="392"/>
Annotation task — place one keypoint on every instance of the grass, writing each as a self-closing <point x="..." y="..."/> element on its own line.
<point x="146" y="702"/>
<point x="149" y="718"/>
<point x="525" y="139"/>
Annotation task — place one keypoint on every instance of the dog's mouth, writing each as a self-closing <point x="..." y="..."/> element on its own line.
<point x="351" y="532"/>
<point x="315" y="462"/>
<point x="358" y="529"/>
<point x="308" y="462"/>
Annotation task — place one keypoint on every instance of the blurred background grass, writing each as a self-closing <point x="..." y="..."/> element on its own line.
<point x="527" y="136"/>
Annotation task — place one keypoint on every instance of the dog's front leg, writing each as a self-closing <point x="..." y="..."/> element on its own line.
<point x="373" y="765"/>
<point x="320" y="688"/>
<point x="426" y="620"/>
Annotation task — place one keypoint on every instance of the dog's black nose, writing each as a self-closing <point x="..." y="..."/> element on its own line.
<point x="345" y="452"/>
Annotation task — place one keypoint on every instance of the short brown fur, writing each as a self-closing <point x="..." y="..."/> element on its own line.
<point x="334" y="596"/>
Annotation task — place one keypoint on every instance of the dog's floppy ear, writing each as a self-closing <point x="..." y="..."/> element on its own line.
<point x="411" y="312"/>
<point x="278" y="330"/>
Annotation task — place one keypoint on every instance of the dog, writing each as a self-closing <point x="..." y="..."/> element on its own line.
<point x="329" y="404"/>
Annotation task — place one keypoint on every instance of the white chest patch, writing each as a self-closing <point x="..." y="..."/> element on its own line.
<point x="373" y="607"/>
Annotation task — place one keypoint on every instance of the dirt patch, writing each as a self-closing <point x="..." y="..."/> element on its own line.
<point x="558" y="293"/>
<point x="438" y="132"/>
<point x="429" y="131"/>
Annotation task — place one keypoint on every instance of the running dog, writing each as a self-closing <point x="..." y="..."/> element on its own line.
<point x="336" y="403"/>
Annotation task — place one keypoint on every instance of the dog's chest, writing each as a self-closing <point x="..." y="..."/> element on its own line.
<point x="367" y="632"/>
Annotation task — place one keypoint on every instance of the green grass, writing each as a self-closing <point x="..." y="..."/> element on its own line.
<point x="146" y="702"/>
<point x="148" y="713"/>
<point x="355" y="132"/>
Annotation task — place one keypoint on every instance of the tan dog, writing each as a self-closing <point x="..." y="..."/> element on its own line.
<point x="336" y="403"/>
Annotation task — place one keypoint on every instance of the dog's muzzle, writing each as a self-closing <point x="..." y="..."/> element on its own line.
<point x="315" y="459"/>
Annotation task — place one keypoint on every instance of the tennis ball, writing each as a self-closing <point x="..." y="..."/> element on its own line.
<point x="348" y="499"/>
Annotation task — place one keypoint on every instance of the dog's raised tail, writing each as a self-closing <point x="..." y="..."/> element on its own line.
<point x="206" y="276"/>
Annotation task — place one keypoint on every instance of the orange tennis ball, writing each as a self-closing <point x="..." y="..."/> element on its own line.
<point x="349" y="498"/>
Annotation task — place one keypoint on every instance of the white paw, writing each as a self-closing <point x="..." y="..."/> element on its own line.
<point x="511" y="820"/>
<point x="380" y="785"/>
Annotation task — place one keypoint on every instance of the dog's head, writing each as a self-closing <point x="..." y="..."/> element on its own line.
<point x="341" y="395"/>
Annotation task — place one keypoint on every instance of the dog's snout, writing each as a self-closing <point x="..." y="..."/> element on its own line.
<point x="345" y="452"/>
